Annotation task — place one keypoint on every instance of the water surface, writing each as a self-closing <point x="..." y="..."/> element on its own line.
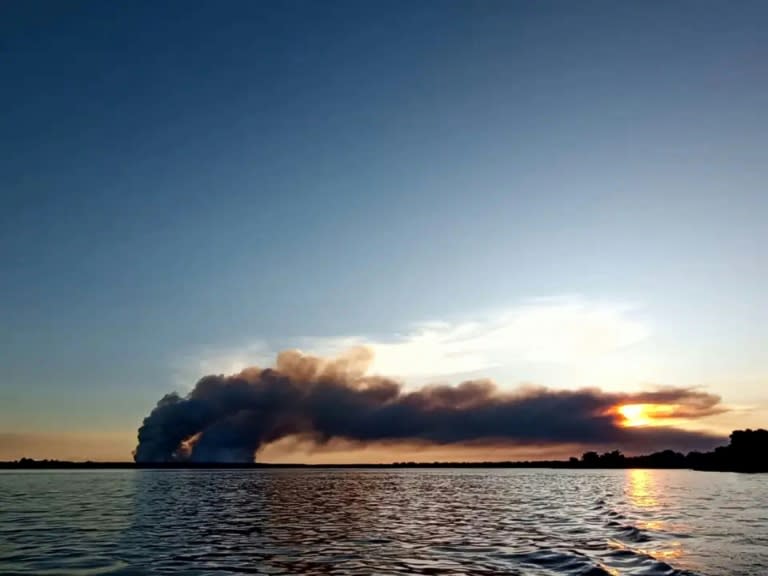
<point x="410" y="521"/>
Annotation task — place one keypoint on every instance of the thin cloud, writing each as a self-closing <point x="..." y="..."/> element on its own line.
<point x="559" y="331"/>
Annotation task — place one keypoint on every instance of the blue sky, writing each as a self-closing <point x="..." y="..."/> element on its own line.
<point x="186" y="184"/>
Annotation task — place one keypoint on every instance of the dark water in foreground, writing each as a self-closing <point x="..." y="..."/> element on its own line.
<point x="468" y="521"/>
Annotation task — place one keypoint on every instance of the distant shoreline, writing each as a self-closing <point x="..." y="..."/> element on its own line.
<point x="558" y="464"/>
<point x="747" y="452"/>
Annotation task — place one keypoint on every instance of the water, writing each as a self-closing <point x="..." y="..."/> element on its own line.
<point x="413" y="521"/>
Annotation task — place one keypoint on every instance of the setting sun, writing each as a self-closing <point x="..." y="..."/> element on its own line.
<point x="644" y="414"/>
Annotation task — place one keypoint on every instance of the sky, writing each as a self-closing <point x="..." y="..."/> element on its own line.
<point x="561" y="194"/>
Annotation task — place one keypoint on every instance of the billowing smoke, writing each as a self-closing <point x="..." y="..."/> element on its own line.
<point x="227" y="418"/>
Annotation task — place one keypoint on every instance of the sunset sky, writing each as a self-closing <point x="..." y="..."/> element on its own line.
<point x="556" y="194"/>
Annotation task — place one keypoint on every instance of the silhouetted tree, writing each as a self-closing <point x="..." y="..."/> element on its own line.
<point x="614" y="459"/>
<point x="591" y="459"/>
<point x="747" y="452"/>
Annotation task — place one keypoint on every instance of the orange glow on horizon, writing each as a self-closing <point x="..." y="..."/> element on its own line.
<point x="634" y="415"/>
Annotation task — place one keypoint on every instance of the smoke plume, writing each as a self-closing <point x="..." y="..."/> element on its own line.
<point x="227" y="418"/>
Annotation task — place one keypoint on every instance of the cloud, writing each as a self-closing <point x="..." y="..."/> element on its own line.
<point x="228" y="418"/>
<point x="560" y="331"/>
<point x="557" y="332"/>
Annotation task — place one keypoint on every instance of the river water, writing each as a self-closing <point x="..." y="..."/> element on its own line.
<point x="390" y="521"/>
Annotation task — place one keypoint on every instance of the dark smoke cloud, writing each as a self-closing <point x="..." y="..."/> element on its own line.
<point x="227" y="418"/>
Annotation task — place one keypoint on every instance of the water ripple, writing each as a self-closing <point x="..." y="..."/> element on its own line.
<point x="359" y="522"/>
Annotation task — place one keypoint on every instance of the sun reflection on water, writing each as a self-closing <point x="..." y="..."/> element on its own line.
<point x="673" y="553"/>
<point x="642" y="487"/>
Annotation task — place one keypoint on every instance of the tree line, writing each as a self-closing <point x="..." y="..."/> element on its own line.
<point x="747" y="451"/>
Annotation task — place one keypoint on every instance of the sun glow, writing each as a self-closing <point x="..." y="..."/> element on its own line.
<point x="644" y="414"/>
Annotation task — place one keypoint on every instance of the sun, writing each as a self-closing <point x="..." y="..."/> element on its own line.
<point x="644" y="414"/>
<point x="634" y="415"/>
